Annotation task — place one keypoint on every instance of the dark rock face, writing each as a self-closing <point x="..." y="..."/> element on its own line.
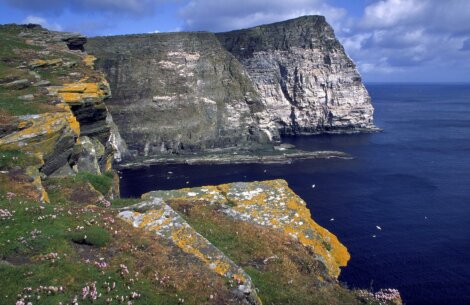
<point x="192" y="92"/>
<point x="307" y="82"/>
<point x="178" y="92"/>
<point x="75" y="41"/>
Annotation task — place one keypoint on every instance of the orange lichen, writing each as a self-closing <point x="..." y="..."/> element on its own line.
<point x="70" y="97"/>
<point x="76" y="92"/>
<point x="273" y="204"/>
<point x="89" y="60"/>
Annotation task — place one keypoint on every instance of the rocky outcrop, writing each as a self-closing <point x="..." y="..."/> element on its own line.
<point x="54" y="104"/>
<point x="307" y="82"/>
<point x="156" y="216"/>
<point x="178" y="92"/>
<point x="270" y="204"/>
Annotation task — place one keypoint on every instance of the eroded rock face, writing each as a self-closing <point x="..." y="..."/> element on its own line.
<point x="68" y="127"/>
<point x="306" y="80"/>
<point x="200" y="92"/>
<point x="178" y="92"/>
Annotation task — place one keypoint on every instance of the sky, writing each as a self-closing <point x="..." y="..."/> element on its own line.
<point x="390" y="40"/>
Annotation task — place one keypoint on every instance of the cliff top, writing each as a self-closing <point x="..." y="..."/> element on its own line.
<point x="303" y="32"/>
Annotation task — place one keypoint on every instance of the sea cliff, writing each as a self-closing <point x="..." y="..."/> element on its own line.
<point x="202" y="93"/>
<point x="66" y="237"/>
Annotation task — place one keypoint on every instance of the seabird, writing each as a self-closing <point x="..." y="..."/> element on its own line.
<point x="378" y="228"/>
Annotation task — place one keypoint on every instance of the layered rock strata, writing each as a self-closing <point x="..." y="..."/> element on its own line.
<point x="200" y="92"/>
<point x="67" y="126"/>
<point x="179" y="92"/>
<point x="307" y="82"/>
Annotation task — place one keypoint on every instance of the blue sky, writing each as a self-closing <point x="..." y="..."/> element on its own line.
<point x="390" y="40"/>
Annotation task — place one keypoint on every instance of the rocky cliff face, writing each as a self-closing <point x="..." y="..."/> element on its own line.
<point x="178" y="92"/>
<point x="306" y="80"/>
<point x="183" y="92"/>
<point x="52" y="104"/>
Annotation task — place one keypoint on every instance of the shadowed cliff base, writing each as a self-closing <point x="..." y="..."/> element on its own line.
<point x="239" y="157"/>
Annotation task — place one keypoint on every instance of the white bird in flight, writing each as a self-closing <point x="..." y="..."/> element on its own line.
<point x="378" y="228"/>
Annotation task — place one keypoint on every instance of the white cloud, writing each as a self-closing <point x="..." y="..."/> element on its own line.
<point x="215" y="15"/>
<point x="43" y="22"/>
<point x="393" y="36"/>
<point x="122" y="7"/>
<point x="389" y="13"/>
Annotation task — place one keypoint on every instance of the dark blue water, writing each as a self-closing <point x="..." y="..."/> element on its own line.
<point x="412" y="180"/>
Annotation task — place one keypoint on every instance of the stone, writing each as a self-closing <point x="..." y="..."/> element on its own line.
<point x="155" y="216"/>
<point x="39" y="63"/>
<point x="18" y="84"/>
<point x="8" y="79"/>
<point x="189" y="93"/>
<point x="269" y="204"/>
<point x="42" y="83"/>
<point x="27" y="97"/>
<point x="91" y="153"/>
<point x="62" y="172"/>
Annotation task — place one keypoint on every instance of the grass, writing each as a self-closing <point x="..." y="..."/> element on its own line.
<point x="16" y="158"/>
<point x="9" y="43"/>
<point x="158" y="271"/>
<point x="124" y="202"/>
<point x="102" y="183"/>
<point x="35" y="231"/>
<point x="93" y="236"/>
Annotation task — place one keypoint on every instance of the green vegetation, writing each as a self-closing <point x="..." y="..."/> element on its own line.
<point x="93" y="236"/>
<point x="124" y="202"/>
<point x="102" y="183"/>
<point x="42" y="245"/>
<point x="14" y="158"/>
<point x="10" y="43"/>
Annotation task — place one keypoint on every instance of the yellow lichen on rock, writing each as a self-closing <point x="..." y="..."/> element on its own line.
<point x="73" y="93"/>
<point x="164" y="221"/>
<point x="271" y="204"/>
<point x="36" y="131"/>
<point x="89" y="60"/>
<point x="274" y="204"/>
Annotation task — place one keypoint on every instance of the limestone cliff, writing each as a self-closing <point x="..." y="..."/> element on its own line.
<point x="178" y="92"/>
<point x="307" y="82"/>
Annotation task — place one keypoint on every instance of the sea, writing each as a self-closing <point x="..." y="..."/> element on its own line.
<point x="401" y="206"/>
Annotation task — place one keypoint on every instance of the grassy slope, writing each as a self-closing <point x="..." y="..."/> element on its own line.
<point x="158" y="271"/>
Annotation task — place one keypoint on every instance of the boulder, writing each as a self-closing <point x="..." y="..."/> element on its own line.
<point x="18" y="84"/>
